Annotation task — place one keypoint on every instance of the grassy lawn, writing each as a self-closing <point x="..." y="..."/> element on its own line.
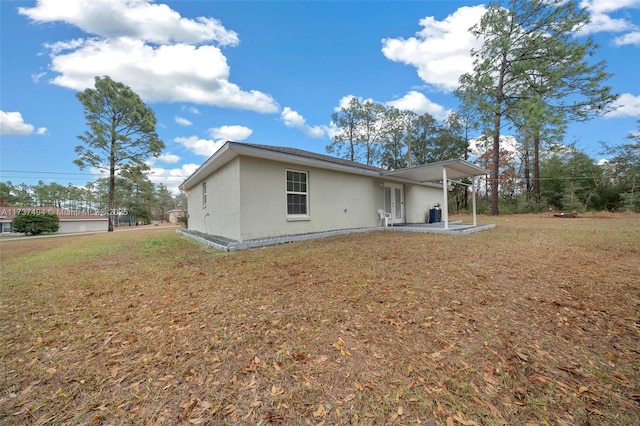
<point x="534" y="322"/>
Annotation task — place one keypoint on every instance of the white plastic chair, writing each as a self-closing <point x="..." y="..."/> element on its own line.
<point x="384" y="217"/>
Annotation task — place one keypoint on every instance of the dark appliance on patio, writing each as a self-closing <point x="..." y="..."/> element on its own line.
<point x="435" y="214"/>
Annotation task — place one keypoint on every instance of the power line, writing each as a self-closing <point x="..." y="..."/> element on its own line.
<point x="46" y="173"/>
<point x="97" y="176"/>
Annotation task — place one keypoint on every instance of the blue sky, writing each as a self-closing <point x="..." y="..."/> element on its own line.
<point x="266" y="72"/>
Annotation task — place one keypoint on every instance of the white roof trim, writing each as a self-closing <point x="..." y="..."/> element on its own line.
<point x="456" y="169"/>
<point x="230" y="150"/>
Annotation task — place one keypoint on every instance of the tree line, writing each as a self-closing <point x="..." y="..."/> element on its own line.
<point x="567" y="178"/>
<point x="134" y="194"/>
<point x="531" y="77"/>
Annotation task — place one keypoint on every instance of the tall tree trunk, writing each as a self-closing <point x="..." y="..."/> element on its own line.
<point x="112" y="190"/>
<point x="536" y="167"/>
<point x="112" y="184"/>
<point x="495" y="168"/>
<point x="527" y="167"/>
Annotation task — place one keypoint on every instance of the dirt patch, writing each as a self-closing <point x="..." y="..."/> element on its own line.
<point x="536" y="321"/>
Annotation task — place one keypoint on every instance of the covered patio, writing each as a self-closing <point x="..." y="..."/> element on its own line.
<point x="449" y="171"/>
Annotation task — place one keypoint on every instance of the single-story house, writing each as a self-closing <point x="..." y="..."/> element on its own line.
<point x="70" y="220"/>
<point x="246" y="191"/>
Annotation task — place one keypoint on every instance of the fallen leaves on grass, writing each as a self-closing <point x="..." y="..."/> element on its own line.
<point x="492" y="328"/>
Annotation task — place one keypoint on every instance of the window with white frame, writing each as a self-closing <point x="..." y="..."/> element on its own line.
<point x="297" y="193"/>
<point x="204" y="194"/>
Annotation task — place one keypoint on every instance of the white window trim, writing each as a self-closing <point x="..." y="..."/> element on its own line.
<point x="296" y="217"/>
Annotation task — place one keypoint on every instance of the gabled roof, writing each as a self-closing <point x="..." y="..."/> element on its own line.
<point x="421" y="174"/>
<point x="230" y="150"/>
<point x="316" y="156"/>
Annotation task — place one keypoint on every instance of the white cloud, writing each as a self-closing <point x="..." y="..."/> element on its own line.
<point x="230" y="133"/>
<point x="420" y="104"/>
<point x="155" y="23"/>
<point x="219" y="135"/>
<point x="172" y="178"/>
<point x="161" y="55"/>
<point x="203" y="147"/>
<point x="167" y="158"/>
<point x="100" y="172"/>
<point x="607" y="6"/>
<point x="601" y="19"/>
<point x="191" y="109"/>
<point x="601" y="22"/>
<point x="441" y="51"/>
<point x="629" y="38"/>
<point x="168" y="73"/>
<point x="183" y="121"/>
<point x="478" y="146"/>
<point x="62" y="46"/>
<point x="293" y="119"/>
<point x="346" y="100"/>
<point x="37" y="76"/>
<point x="12" y="124"/>
<point x="627" y="105"/>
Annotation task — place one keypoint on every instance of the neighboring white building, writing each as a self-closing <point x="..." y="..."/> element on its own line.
<point x="70" y="220"/>
<point x="246" y="191"/>
<point x="175" y="215"/>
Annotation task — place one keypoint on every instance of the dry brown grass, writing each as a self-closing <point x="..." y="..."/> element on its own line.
<point x="534" y="322"/>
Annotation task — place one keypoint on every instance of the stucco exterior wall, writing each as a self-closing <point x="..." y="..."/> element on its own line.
<point x="68" y="226"/>
<point x="89" y="225"/>
<point x="418" y="200"/>
<point x="220" y="215"/>
<point x="337" y="200"/>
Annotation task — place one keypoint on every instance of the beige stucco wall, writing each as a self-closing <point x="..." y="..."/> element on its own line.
<point x="220" y="215"/>
<point x="418" y="200"/>
<point x="336" y="200"/>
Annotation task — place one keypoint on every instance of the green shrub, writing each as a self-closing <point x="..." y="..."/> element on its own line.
<point x="34" y="222"/>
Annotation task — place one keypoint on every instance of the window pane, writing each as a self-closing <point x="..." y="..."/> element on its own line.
<point x="387" y="199"/>
<point x="296" y="193"/>
<point x="296" y="204"/>
<point x="204" y="194"/>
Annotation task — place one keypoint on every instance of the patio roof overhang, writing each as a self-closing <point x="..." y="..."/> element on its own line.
<point x="443" y="171"/>
<point x="456" y="169"/>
